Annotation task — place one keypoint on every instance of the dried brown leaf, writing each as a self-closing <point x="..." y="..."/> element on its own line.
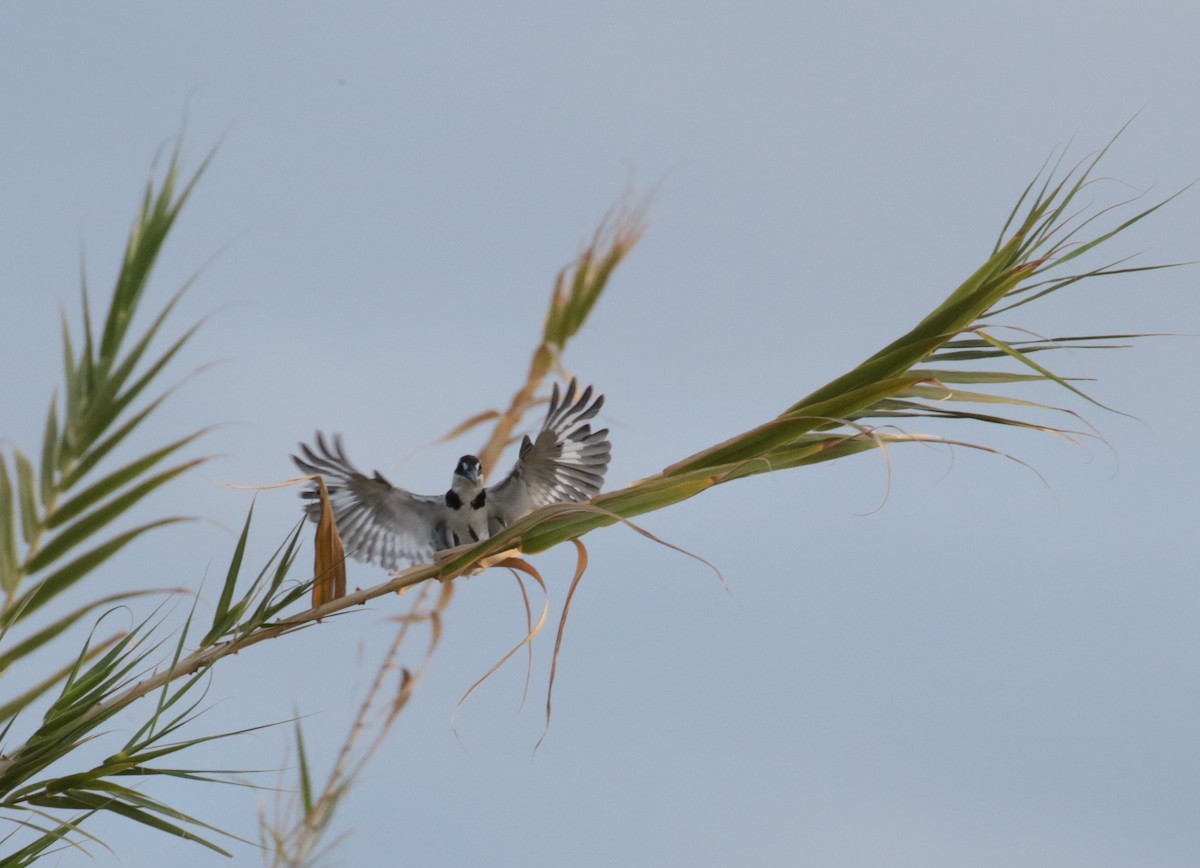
<point x="581" y="563"/>
<point x="522" y="565"/>
<point x="467" y="424"/>
<point x="529" y="629"/>
<point x="329" y="568"/>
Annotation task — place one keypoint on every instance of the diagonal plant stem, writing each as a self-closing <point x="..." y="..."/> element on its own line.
<point x="306" y="834"/>
<point x="576" y="290"/>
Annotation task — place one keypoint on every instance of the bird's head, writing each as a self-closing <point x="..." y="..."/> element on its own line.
<point x="468" y="473"/>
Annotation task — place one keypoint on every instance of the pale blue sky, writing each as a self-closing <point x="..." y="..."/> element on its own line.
<point x="986" y="672"/>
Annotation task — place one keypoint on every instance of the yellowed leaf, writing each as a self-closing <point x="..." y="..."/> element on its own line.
<point x="329" y="568"/>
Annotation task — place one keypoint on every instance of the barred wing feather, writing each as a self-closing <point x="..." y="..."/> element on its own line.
<point x="566" y="462"/>
<point x="379" y="523"/>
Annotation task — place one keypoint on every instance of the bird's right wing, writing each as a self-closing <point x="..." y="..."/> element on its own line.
<point x="378" y="522"/>
<point x="565" y="463"/>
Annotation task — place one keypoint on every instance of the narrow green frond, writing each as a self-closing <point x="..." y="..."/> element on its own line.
<point x="946" y="375"/>
<point x="306" y="790"/>
<point x="152" y="730"/>
<point x="40" y="847"/>
<point x="115" y="480"/>
<point x="798" y="420"/>
<point x="970" y="289"/>
<point x="142" y="801"/>
<point x="1056" y="284"/>
<point x="87" y="356"/>
<point x="1083" y="248"/>
<point x="1048" y="218"/>
<point x="109" y="404"/>
<point x="944" y="393"/>
<point x="54" y="584"/>
<point x="1041" y="173"/>
<point x="1022" y="357"/>
<point x="231" y="577"/>
<point x="72" y="379"/>
<point x="588" y="291"/>
<point x="881" y="366"/>
<point x="36" y="640"/>
<point x="138" y="749"/>
<point x="166" y="698"/>
<point x="86" y="527"/>
<point x="149" y="231"/>
<point x="18" y="704"/>
<point x="96" y="452"/>
<point x="83" y="799"/>
<point x="50" y="444"/>
<point x="915" y="410"/>
<point x="800" y="454"/>
<point x="117" y="377"/>
<point x="31" y="525"/>
<point x="81" y="681"/>
<point x="143" y="756"/>
<point x="989" y="351"/>
<point x="579" y="286"/>
<point x="207" y="776"/>
<point x="272" y="601"/>
<point x="10" y="572"/>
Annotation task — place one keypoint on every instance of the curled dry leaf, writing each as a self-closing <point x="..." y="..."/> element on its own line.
<point x="329" y="568"/>
<point x="581" y="564"/>
<point x="528" y="629"/>
<point x="467" y="424"/>
<point x="522" y="566"/>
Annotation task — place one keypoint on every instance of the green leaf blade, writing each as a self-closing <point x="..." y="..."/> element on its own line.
<point x="50" y="444"/>
<point x="219" y="622"/>
<point x="87" y="526"/>
<point x="10" y="573"/>
<point x="31" y="523"/>
<point x="54" y="584"/>
<point x="113" y="481"/>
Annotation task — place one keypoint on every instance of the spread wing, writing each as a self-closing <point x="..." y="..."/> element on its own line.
<point x="379" y="523"/>
<point x="565" y="462"/>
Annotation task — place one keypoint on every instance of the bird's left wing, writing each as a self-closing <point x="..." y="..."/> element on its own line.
<point x="378" y="522"/>
<point x="566" y="462"/>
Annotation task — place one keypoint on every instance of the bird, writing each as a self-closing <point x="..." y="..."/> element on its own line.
<point x="386" y="526"/>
